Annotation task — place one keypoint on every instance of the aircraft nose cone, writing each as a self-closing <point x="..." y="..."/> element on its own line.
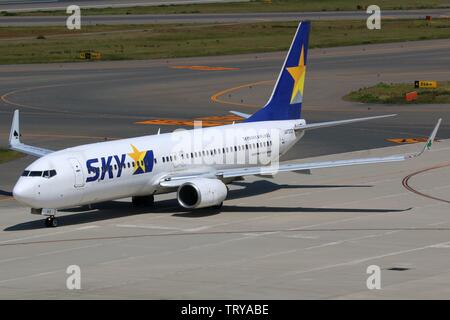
<point x="23" y="192"/>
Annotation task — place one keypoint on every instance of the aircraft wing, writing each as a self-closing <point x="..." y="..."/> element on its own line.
<point x="177" y="180"/>
<point x="338" y="123"/>
<point x="16" y="145"/>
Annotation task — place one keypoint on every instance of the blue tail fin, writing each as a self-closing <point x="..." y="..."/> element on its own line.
<point x="287" y="96"/>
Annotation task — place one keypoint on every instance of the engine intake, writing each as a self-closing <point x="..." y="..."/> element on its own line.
<point x="201" y="193"/>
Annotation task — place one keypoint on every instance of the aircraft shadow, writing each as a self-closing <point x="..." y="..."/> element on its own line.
<point x="117" y="209"/>
<point x="265" y="186"/>
<point x="199" y="213"/>
<point x="5" y="193"/>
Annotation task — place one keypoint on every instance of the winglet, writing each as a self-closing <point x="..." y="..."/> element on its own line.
<point x="14" y="135"/>
<point x="430" y="140"/>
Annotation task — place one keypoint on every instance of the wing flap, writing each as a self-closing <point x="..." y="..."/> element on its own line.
<point x="272" y="170"/>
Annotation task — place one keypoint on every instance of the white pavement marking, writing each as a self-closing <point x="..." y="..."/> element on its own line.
<point x="362" y="260"/>
<point x="87" y="227"/>
<point x="38" y="236"/>
<point x="32" y="276"/>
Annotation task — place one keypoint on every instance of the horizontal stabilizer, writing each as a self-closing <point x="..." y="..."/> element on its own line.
<point x="241" y="114"/>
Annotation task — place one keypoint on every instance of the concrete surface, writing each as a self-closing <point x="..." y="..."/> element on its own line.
<point x="295" y="236"/>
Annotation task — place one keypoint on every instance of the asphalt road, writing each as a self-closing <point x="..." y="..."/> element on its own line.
<point x="18" y="6"/>
<point x="221" y="18"/>
<point x="257" y="246"/>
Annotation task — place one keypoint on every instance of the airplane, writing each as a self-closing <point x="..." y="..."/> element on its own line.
<point x="198" y="171"/>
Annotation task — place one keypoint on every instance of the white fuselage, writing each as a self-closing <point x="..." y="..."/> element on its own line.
<point x="110" y="170"/>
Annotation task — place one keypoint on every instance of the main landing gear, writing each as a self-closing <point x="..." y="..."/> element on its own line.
<point x="143" y="201"/>
<point x="51" y="222"/>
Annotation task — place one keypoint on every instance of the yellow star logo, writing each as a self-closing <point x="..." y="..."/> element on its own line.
<point x="138" y="156"/>
<point x="298" y="74"/>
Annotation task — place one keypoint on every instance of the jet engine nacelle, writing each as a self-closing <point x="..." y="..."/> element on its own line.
<point x="201" y="193"/>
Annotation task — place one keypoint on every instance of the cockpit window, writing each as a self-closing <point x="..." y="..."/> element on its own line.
<point x="49" y="173"/>
<point x="45" y="174"/>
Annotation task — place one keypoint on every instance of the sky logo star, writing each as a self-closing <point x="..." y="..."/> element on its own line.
<point x="298" y="74"/>
<point x="138" y="157"/>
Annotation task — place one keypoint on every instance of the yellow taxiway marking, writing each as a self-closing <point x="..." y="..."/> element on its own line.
<point x="205" y="121"/>
<point x="216" y="97"/>
<point x="204" y="68"/>
<point x="213" y="120"/>
<point x="408" y="140"/>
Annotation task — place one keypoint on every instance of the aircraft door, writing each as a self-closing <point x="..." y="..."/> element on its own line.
<point x="79" y="176"/>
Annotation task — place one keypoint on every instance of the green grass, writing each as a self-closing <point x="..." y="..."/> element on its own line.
<point x="57" y="44"/>
<point x="8" y="155"/>
<point x="259" y="6"/>
<point x="394" y="93"/>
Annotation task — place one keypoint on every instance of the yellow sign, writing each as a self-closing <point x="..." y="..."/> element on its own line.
<point x="425" y="84"/>
<point x="88" y="55"/>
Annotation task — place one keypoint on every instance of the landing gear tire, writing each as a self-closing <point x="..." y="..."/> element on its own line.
<point x="51" y="222"/>
<point x="143" y="201"/>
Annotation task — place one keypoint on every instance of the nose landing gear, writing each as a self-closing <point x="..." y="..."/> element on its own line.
<point x="51" y="222"/>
